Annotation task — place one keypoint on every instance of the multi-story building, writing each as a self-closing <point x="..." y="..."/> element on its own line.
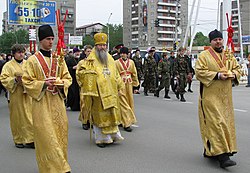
<point x="70" y="24"/>
<point x="89" y="29"/>
<point x="63" y="5"/>
<point x="245" y="20"/>
<point x="159" y="23"/>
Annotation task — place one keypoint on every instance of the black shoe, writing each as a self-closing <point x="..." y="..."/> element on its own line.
<point x="177" y="95"/>
<point x="182" y="98"/>
<point x="120" y="125"/>
<point x="128" y="129"/>
<point x="157" y="92"/>
<point x="68" y="172"/>
<point x="19" y="145"/>
<point x="85" y="126"/>
<point x="227" y="163"/>
<point x="146" y="94"/>
<point x="189" y="90"/>
<point x="247" y="85"/>
<point x="101" y="145"/>
<point x="30" y="145"/>
<point x="167" y="97"/>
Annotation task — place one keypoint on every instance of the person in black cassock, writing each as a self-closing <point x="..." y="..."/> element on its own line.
<point x="73" y="99"/>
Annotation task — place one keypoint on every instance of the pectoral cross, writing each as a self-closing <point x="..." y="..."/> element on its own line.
<point x="105" y="71"/>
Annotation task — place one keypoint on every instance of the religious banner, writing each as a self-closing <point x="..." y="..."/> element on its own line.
<point x="30" y="12"/>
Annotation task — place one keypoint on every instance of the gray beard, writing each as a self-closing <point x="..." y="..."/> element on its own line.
<point x="102" y="55"/>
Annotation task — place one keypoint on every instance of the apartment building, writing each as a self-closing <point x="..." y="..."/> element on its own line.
<point x="159" y="23"/>
<point x="245" y="20"/>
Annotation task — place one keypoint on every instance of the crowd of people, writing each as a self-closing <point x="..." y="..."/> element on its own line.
<point x="101" y="86"/>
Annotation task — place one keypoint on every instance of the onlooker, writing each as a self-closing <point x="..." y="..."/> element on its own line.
<point x="73" y="98"/>
<point x="248" y="67"/>
<point x="139" y="68"/>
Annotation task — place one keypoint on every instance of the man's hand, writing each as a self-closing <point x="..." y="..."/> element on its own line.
<point x="19" y="79"/>
<point x="223" y="76"/>
<point x="75" y="67"/>
<point x="50" y="81"/>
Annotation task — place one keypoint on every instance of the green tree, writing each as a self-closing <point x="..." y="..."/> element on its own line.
<point x="88" y="40"/>
<point x="8" y="39"/>
<point x="115" y="34"/>
<point x="200" y="40"/>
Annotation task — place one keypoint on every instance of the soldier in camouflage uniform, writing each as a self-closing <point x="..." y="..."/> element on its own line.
<point x="165" y="72"/>
<point x="138" y="65"/>
<point x="181" y="70"/>
<point x="149" y="69"/>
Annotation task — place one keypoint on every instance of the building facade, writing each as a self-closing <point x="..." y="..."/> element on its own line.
<point x="159" y="23"/>
<point x="89" y="29"/>
<point x="245" y="20"/>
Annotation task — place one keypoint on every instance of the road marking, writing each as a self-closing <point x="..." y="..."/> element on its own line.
<point x="240" y="110"/>
<point x="167" y="99"/>
<point x="188" y="102"/>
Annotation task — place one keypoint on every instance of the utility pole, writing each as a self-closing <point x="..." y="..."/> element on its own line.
<point x="108" y="29"/>
<point x="240" y="30"/>
<point x="188" y="29"/>
<point x="195" y="24"/>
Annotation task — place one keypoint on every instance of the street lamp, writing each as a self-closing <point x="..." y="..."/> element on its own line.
<point x="108" y="29"/>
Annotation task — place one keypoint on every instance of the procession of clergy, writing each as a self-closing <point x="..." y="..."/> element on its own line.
<point x="39" y="86"/>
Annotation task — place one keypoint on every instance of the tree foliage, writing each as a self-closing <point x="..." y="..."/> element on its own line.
<point x="115" y="34"/>
<point x="88" y="40"/>
<point x="200" y="40"/>
<point x="8" y="39"/>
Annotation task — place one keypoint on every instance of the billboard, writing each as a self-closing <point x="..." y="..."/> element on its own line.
<point x="245" y="39"/>
<point x="30" y="12"/>
<point x="75" y="40"/>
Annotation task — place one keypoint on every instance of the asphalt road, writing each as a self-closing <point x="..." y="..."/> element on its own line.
<point x="167" y="139"/>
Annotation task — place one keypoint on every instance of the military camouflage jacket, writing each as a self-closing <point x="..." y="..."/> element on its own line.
<point x="164" y="67"/>
<point x="181" y="65"/>
<point x="150" y="67"/>
<point x="138" y="65"/>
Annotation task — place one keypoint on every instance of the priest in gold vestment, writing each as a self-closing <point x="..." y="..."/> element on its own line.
<point x="47" y="83"/>
<point x="128" y="73"/>
<point x="82" y="117"/>
<point x="216" y="69"/>
<point x="101" y="82"/>
<point x="20" y="105"/>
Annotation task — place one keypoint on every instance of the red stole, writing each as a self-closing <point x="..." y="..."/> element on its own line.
<point x="125" y="74"/>
<point x="221" y="63"/>
<point x="48" y="71"/>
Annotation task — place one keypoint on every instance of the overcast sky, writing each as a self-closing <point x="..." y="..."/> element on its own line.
<point x="91" y="11"/>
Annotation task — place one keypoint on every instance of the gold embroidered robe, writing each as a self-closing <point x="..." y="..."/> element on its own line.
<point x="83" y="117"/>
<point x="49" y="117"/>
<point x="128" y="74"/>
<point x="20" y="105"/>
<point x="101" y="93"/>
<point x="216" y="113"/>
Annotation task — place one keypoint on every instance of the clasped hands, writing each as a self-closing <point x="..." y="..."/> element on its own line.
<point x="51" y="82"/>
<point x="224" y="76"/>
